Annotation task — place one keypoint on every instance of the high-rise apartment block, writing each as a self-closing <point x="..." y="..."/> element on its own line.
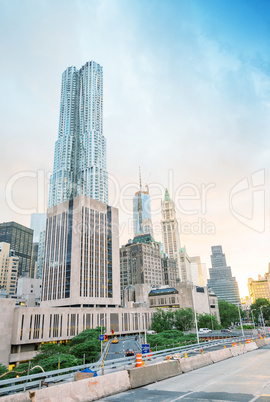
<point x="81" y="262"/>
<point x="170" y="231"/>
<point x="140" y="262"/>
<point x="80" y="163"/>
<point x="8" y="269"/>
<point x="20" y="239"/>
<point x="221" y="280"/>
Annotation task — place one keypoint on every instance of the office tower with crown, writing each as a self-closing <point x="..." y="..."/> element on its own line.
<point x="81" y="253"/>
<point x="221" y="280"/>
<point x="80" y="162"/>
<point x="142" y="222"/>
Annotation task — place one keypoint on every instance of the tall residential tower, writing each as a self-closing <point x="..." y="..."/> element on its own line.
<point x="80" y="166"/>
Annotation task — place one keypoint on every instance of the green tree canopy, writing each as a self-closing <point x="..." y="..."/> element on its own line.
<point x="162" y="320"/>
<point x="184" y="319"/>
<point x="257" y="311"/>
<point x="228" y="313"/>
<point x="208" y="321"/>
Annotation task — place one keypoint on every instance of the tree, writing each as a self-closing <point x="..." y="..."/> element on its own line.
<point x="208" y="321"/>
<point x="162" y="321"/>
<point x="184" y="319"/>
<point x="3" y="369"/>
<point x="265" y="310"/>
<point x="228" y="313"/>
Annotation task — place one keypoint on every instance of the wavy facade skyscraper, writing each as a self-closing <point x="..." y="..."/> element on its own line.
<point x="80" y="157"/>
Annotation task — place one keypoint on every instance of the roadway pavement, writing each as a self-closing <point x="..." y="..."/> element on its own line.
<point x="244" y="378"/>
<point x="118" y="350"/>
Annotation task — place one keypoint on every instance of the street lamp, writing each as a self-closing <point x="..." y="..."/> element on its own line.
<point x="253" y="317"/>
<point x="145" y="341"/>
<point x="102" y="319"/>
<point x="263" y="318"/>
<point x="195" y="316"/>
<point x="240" y="320"/>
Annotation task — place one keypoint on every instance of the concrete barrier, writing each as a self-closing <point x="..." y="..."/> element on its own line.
<point x="153" y="373"/>
<point x="80" y="391"/>
<point x="260" y="343"/>
<point x="251" y="346"/>
<point x="21" y="397"/>
<point x="219" y="355"/>
<point x="195" y="362"/>
<point x="238" y="350"/>
<point x="267" y="341"/>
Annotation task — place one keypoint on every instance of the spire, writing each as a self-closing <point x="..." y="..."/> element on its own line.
<point x="140" y="202"/>
<point x="140" y="178"/>
<point x="167" y="197"/>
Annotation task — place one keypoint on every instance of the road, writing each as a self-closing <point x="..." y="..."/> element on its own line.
<point x="118" y="350"/>
<point x="244" y="378"/>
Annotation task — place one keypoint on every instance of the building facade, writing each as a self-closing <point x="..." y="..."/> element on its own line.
<point x="80" y="158"/>
<point x="24" y="329"/>
<point x="259" y="288"/>
<point x="20" y="239"/>
<point x="140" y="262"/>
<point x="81" y="259"/>
<point x="185" y="265"/>
<point x="198" y="271"/>
<point x="169" y="271"/>
<point x="8" y="270"/>
<point x="170" y="231"/>
<point x="221" y="280"/>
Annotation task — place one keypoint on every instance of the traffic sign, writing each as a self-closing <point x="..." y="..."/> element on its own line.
<point x="101" y="337"/>
<point x="145" y="348"/>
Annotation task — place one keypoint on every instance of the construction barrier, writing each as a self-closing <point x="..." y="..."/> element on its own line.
<point x="248" y="341"/>
<point x="138" y="360"/>
<point x="150" y="355"/>
<point x="154" y="372"/>
<point x="234" y="344"/>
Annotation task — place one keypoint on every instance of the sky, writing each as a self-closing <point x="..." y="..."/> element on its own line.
<point x="186" y="98"/>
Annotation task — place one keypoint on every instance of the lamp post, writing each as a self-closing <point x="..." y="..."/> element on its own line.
<point x="195" y="315"/>
<point x="144" y="328"/>
<point x="240" y="320"/>
<point x="102" y="319"/>
<point x="252" y="317"/>
<point x="263" y="318"/>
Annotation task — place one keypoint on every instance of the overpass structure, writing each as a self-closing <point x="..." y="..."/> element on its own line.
<point x="123" y="375"/>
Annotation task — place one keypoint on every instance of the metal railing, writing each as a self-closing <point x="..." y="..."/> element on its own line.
<point x="38" y="380"/>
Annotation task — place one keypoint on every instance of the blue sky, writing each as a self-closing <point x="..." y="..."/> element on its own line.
<point x="186" y="95"/>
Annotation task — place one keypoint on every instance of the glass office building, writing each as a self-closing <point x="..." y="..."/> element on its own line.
<point x="221" y="280"/>
<point x="20" y="239"/>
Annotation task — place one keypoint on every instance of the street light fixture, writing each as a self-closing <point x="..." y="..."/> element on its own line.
<point x="263" y="318"/>
<point x="253" y="317"/>
<point x="195" y="315"/>
<point x="240" y="320"/>
<point x="102" y="319"/>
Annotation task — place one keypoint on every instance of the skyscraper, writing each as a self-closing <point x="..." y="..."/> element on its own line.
<point x="221" y="280"/>
<point x="20" y="239"/>
<point x="81" y="251"/>
<point x="142" y="222"/>
<point x="170" y="231"/>
<point x="80" y="164"/>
